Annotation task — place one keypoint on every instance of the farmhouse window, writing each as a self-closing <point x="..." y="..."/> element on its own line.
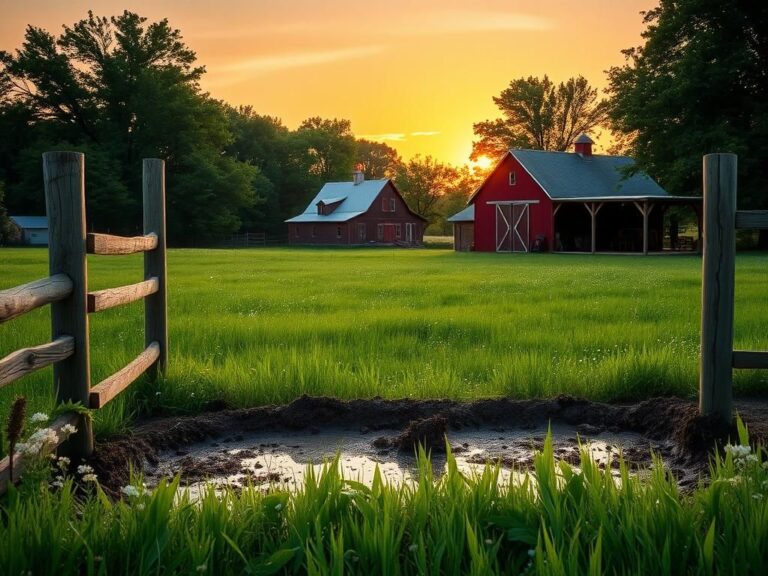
<point x="512" y="178"/>
<point x="388" y="204"/>
<point x="397" y="230"/>
<point x="361" y="231"/>
<point x="338" y="231"/>
<point x="380" y="231"/>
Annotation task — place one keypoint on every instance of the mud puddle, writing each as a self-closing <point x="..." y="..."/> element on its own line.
<point x="273" y="445"/>
<point x="281" y="460"/>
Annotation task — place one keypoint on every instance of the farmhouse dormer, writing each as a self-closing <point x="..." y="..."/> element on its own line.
<point x="327" y="206"/>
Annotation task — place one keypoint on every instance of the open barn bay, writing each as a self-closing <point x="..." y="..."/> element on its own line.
<point x="253" y="327"/>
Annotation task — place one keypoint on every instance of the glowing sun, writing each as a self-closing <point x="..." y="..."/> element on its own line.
<point x="483" y="162"/>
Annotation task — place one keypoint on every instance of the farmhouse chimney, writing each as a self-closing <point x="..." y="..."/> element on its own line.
<point x="583" y="145"/>
<point x="358" y="176"/>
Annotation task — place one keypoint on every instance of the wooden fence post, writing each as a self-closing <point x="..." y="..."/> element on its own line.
<point x="155" y="305"/>
<point x="63" y="175"/>
<point x="717" y="279"/>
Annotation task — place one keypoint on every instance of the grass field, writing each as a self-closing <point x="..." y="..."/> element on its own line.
<point x="265" y="326"/>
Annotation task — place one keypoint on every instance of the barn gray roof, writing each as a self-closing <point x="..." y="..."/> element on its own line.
<point x="466" y="215"/>
<point x="566" y="175"/>
<point x="357" y="199"/>
<point x="29" y="222"/>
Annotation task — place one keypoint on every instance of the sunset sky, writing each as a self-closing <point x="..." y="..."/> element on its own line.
<point x="414" y="74"/>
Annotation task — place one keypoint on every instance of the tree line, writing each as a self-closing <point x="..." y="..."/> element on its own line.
<point x="120" y="89"/>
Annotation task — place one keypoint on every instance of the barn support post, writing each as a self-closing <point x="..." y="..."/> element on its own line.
<point x="155" y="305"/>
<point x="593" y="208"/>
<point x="64" y="184"/>
<point x="718" y="272"/>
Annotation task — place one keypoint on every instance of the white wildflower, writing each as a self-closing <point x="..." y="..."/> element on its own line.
<point x="62" y="462"/>
<point x="201" y="568"/>
<point x="38" y="417"/>
<point x="44" y="436"/>
<point x="751" y="458"/>
<point x="757" y="496"/>
<point x="84" y="469"/>
<point x="89" y="477"/>
<point x="531" y="553"/>
<point x="413" y="547"/>
<point x="488" y="541"/>
<point x="58" y="482"/>
<point x="130" y="491"/>
<point x="278" y="507"/>
<point x="67" y="430"/>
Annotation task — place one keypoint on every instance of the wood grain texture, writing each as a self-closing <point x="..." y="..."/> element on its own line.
<point x="717" y="290"/>
<point x="110" y="387"/>
<point x="156" y="305"/>
<point x="27" y="360"/>
<point x="18" y="461"/>
<point x="108" y="245"/>
<point x="24" y="298"/>
<point x="750" y="359"/>
<point x="64" y="182"/>
<point x="752" y="219"/>
<point x="111" y="297"/>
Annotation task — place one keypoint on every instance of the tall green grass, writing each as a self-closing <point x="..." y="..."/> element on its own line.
<point x="562" y="520"/>
<point x="264" y="326"/>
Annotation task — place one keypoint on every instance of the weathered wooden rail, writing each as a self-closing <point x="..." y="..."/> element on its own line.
<point x="721" y="220"/>
<point x="66" y="290"/>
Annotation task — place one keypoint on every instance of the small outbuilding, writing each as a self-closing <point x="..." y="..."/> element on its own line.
<point x="33" y="230"/>
<point x="360" y="212"/>
<point x="464" y="229"/>
<point x="537" y="200"/>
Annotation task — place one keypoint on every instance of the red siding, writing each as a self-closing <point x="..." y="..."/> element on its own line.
<point x="497" y="187"/>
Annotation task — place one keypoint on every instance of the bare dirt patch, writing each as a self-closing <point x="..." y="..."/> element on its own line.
<point x="274" y="444"/>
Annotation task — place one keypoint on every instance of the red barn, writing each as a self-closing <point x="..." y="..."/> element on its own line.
<point x="536" y="200"/>
<point x="361" y="212"/>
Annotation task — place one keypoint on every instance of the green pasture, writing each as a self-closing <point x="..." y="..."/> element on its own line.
<point x="267" y="325"/>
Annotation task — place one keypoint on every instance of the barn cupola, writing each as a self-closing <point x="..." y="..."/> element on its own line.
<point x="358" y="176"/>
<point x="583" y="145"/>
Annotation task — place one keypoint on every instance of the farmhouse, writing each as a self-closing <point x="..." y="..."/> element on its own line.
<point x="360" y="212"/>
<point x="33" y="230"/>
<point x="535" y="200"/>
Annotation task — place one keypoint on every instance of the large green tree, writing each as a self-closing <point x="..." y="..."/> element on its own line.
<point x="121" y="89"/>
<point x="423" y="181"/>
<point x="698" y="84"/>
<point x="540" y="115"/>
<point x="378" y="160"/>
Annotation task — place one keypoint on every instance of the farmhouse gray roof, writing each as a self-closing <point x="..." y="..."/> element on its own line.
<point x="30" y="222"/>
<point x="356" y="200"/>
<point x="565" y="175"/>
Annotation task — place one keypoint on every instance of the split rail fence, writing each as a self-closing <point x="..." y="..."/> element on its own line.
<point x="721" y="220"/>
<point x="66" y="290"/>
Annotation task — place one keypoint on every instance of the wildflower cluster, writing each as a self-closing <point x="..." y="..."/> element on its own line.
<point x="742" y="454"/>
